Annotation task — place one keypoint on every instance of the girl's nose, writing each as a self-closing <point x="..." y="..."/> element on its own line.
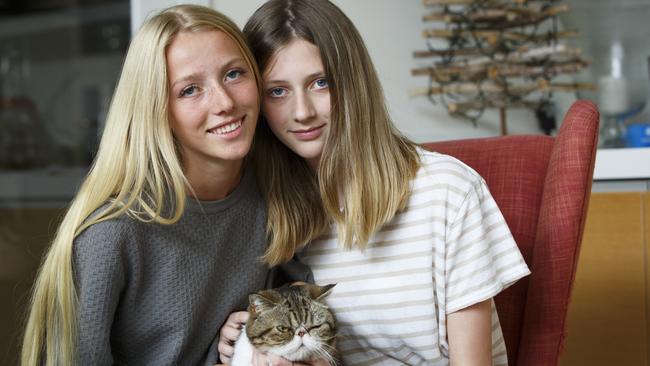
<point x="304" y="108"/>
<point x="222" y="101"/>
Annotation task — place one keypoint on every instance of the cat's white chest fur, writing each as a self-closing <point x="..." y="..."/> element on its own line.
<point x="298" y="349"/>
<point x="243" y="351"/>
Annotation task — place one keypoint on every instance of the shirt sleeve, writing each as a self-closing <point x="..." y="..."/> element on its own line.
<point x="99" y="278"/>
<point x="481" y="256"/>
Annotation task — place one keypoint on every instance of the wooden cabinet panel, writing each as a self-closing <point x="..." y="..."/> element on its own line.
<point x="646" y="237"/>
<point x="608" y="319"/>
<point x="24" y="234"/>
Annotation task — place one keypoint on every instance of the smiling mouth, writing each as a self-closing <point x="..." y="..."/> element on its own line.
<point x="227" y="128"/>
<point x="308" y="129"/>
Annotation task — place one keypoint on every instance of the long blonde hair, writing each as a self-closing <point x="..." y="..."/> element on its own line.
<point x="366" y="166"/>
<point x="137" y="172"/>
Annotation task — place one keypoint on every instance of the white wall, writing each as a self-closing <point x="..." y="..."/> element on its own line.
<point x="392" y="31"/>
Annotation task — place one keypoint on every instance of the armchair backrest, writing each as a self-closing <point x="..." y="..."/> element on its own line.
<point x="542" y="185"/>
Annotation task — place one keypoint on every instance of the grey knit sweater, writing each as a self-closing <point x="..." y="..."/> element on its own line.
<point x="154" y="294"/>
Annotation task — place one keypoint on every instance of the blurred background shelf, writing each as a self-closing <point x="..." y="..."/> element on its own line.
<point x="40" y="188"/>
<point x="34" y="20"/>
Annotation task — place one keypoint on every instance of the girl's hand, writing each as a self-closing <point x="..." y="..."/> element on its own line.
<point x="229" y="334"/>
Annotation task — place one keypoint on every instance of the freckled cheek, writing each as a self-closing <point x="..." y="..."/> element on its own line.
<point x="172" y="111"/>
<point x="174" y="114"/>
<point x="187" y="117"/>
<point x="247" y="97"/>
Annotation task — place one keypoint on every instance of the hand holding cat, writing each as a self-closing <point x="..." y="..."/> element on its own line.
<point x="229" y="334"/>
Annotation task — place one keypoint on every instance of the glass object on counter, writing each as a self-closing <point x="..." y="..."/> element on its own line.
<point x="612" y="132"/>
<point x="614" y="36"/>
<point x="613" y="99"/>
<point x="638" y="125"/>
<point x="612" y="87"/>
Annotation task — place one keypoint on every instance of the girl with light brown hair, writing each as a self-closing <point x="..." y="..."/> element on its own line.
<point x="413" y="239"/>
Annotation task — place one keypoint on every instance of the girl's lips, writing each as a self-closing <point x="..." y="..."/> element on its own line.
<point x="308" y="134"/>
<point x="230" y="130"/>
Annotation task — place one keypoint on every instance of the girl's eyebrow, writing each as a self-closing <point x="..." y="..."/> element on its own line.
<point x="308" y="77"/>
<point x="186" y="78"/>
<point x="196" y="75"/>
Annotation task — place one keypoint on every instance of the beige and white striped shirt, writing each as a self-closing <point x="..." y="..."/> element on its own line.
<point x="449" y="249"/>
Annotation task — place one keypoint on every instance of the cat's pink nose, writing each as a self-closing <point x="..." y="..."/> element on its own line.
<point x="301" y="333"/>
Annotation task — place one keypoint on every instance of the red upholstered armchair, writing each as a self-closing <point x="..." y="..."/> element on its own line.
<point x="542" y="185"/>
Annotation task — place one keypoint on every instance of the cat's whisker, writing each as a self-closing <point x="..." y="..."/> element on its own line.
<point x="326" y="345"/>
<point x="328" y="339"/>
<point x="326" y="354"/>
<point x="328" y="357"/>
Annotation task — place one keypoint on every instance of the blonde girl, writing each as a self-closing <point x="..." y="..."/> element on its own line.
<point x="413" y="239"/>
<point x="143" y="268"/>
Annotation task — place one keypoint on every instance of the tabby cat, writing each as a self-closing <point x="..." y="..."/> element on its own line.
<point x="292" y="322"/>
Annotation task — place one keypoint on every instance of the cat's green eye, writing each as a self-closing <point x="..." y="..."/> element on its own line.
<point x="282" y="329"/>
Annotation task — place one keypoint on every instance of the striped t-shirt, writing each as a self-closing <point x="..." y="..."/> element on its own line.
<point x="449" y="249"/>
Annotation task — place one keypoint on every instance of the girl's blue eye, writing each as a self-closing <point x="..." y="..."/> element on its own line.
<point x="276" y="92"/>
<point x="233" y="74"/>
<point x="189" y="91"/>
<point x="321" y="83"/>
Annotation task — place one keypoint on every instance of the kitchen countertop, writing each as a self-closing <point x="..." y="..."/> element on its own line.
<point x="622" y="164"/>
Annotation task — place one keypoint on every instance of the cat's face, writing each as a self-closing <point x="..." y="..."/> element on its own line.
<point x="292" y="322"/>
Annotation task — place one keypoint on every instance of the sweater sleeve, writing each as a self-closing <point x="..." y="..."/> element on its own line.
<point x="99" y="278"/>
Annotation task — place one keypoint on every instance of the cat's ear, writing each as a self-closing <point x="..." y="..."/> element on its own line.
<point x="319" y="293"/>
<point x="262" y="301"/>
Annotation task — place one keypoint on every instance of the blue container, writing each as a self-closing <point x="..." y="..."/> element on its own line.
<point x="638" y="135"/>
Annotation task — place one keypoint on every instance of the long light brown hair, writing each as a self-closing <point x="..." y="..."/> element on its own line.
<point x="137" y="171"/>
<point x="366" y="166"/>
